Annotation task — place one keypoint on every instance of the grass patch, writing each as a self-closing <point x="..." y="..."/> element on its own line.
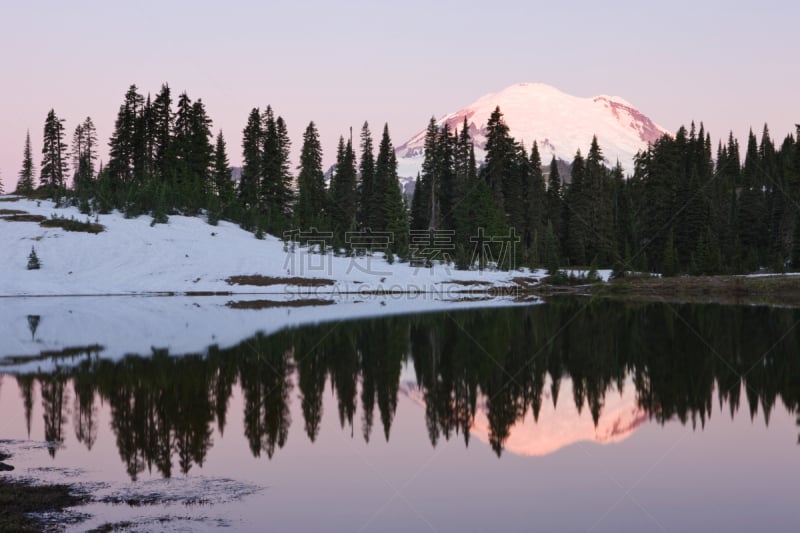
<point x="20" y="498"/>
<point x="70" y="224"/>
<point x="266" y="281"/>
<point x="732" y="289"/>
<point x="10" y="199"/>
<point x="272" y="304"/>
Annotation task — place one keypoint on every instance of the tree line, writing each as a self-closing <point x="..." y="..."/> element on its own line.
<point x="681" y="211"/>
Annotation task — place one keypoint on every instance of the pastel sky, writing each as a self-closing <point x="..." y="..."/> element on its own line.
<point x="730" y="64"/>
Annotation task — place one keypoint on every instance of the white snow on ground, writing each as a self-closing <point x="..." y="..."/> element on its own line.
<point x="187" y="254"/>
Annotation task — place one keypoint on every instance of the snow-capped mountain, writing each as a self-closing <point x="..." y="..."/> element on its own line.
<point x="560" y="123"/>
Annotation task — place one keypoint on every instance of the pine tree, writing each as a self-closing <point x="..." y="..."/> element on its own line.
<point x="499" y="153"/>
<point x="2" y="189"/>
<point x="555" y="203"/>
<point x="600" y="243"/>
<point x="392" y="216"/>
<point x="201" y="158"/>
<point x="578" y="200"/>
<point x="54" y="155"/>
<point x="252" y="160"/>
<point x="366" y="184"/>
<point x="535" y="206"/>
<point x="343" y="192"/>
<point x="25" y="182"/>
<point x="84" y="154"/>
<point x="669" y="262"/>
<point x="796" y="243"/>
<point x="310" y="211"/>
<point x="551" y="257"/>
<point x="33" y="260"/>
<point x="276" y="180"/>
<point x="426" y="207"/>
<point x="223" y="196"/>
<point x="752" y="212"/>
<point x="162" y="135"/>
<point x="125" y="142"/>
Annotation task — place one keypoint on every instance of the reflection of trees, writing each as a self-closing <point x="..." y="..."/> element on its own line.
<point x="265" y="377"/>
<point x="84" y="415"/>
<point x="54" y="402"/>
<point x="681" y="359"/>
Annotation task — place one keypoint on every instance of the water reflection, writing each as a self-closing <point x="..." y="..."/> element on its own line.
<point x="488" y="373"/>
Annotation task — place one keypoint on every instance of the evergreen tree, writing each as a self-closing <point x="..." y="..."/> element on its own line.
<point x="599" y="242"/>
<point x="796" y="243"/>
<point x="310" y="211"/>
<point x="276" y="180"/>
<point x="555" y="203"/>
<point x="392" y="216"/>
<point x="25" y="182"/>
<point x="344" y="193"/>
<point x="426" y="206"/>
<point x="551" y="256"/>
<point x="752" y="209"/>
<point x="125" y="143"/>
<point x="162" y="135"/>
<point x="669" y="260"/>
<point x="84" y="154"/>
<point x="201" y="158"/>
<point x="224" y="196"/>
<point x="499" y="154"/>
<point x="366" y="186"/>
<point x="447" y="181"/>
<point x="535" y="206"/>
<point x="54" y="156"/>
<point x="252" y="159"/>
<point x="419" y="211"/>
<point x="33" y="260"/>
<point x="578" y="199"/>
<point x="2" y="189"/>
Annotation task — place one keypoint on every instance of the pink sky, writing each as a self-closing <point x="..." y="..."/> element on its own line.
<point x="342" y="63"/>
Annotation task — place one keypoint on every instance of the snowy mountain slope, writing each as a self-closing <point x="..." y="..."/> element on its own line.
<point x="559" y="122"/>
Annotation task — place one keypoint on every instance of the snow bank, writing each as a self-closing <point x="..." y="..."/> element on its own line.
<point x="187" y="255"/>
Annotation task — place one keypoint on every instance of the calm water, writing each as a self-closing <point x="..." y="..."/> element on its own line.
<point x="567" y="416"/>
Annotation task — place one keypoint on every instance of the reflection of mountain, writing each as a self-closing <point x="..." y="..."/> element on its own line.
<point x="546" y="376"/>
<point x="559" y="425"/>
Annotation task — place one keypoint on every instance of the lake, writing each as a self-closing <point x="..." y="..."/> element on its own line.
<point x="569" y="415"/>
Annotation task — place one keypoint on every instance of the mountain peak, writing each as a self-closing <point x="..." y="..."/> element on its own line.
<point x="559" y="122"/>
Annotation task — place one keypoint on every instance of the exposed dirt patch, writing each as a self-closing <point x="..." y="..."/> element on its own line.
<point x="4" y="212"/>
<point x="466" y="283"/>
<point x="265" y="281"/>
<point x="72" y="225"/>
<point x="10" y="199"/>
<point x="271" y="304"/>
<point x="207" y="293"/>
<point x="24" y="218"/>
